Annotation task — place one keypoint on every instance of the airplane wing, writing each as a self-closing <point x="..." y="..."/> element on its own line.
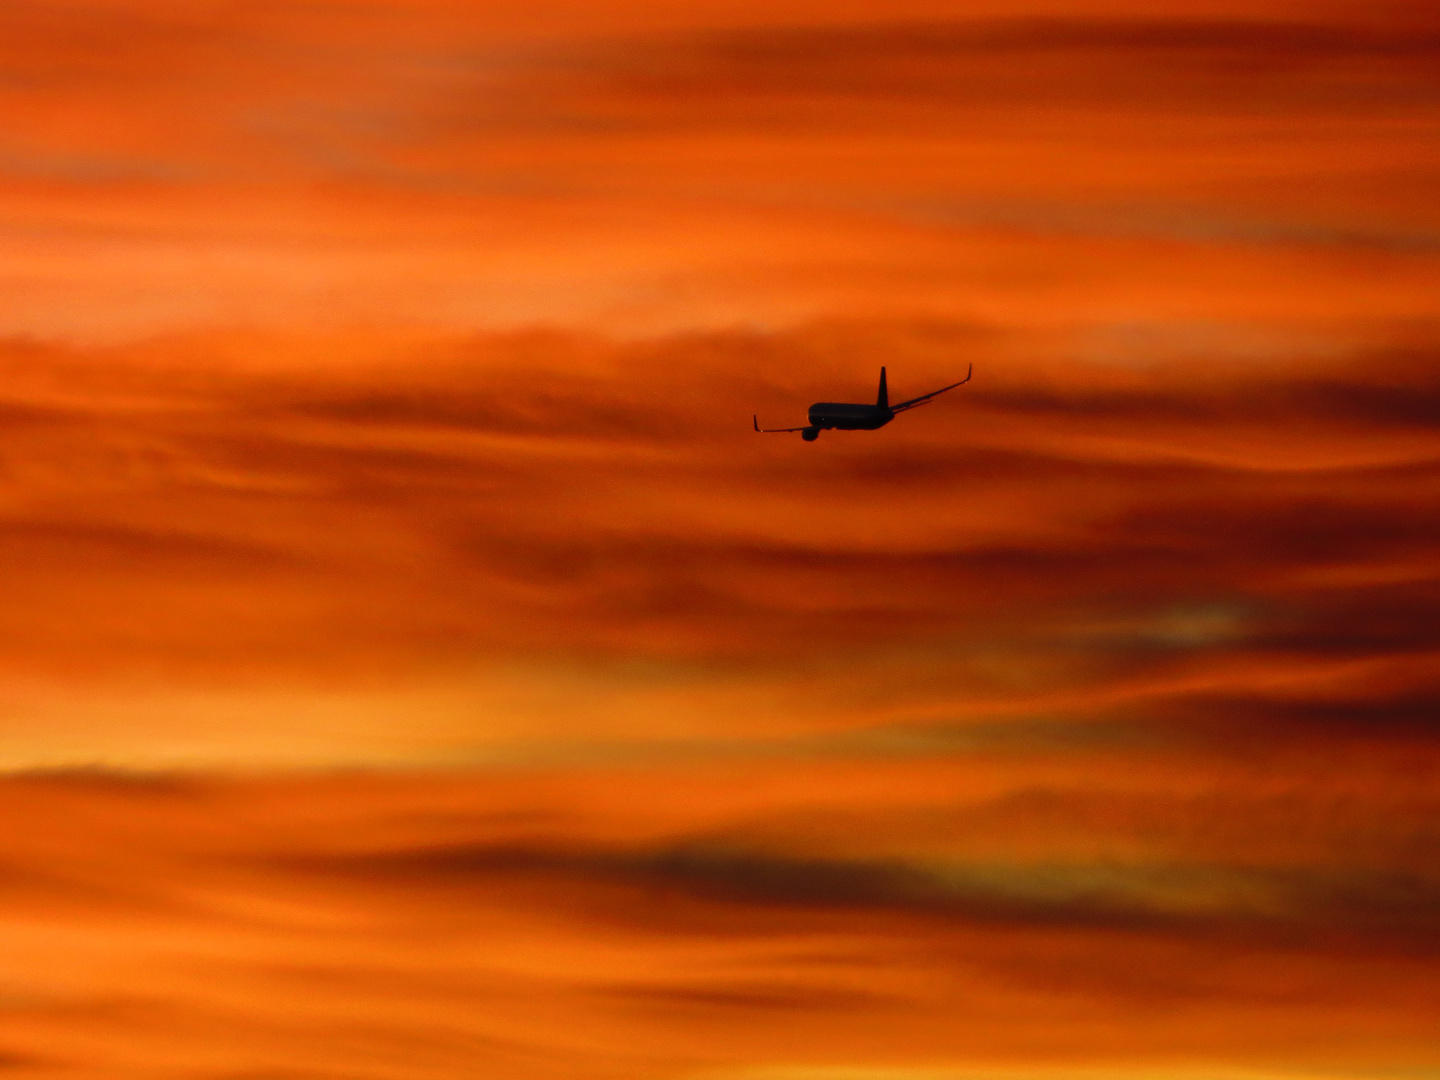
<point x="925" y="399"/>
<point x="771" y="430"/>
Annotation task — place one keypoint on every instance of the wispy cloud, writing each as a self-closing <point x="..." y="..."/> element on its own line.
<point x="456" y="916"/>
<point x="1055" y="538"/>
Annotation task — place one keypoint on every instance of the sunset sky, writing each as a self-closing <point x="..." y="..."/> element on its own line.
<point x="414" y="666"/>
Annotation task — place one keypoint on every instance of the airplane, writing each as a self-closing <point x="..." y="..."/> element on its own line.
<point x="850" y="417"/>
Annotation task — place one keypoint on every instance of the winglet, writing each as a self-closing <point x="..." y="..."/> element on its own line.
<point x="882" y="400"/>
<point x="755" y="419"/>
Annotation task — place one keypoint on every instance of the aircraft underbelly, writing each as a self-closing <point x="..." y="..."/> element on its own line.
<point x="847" y="417"/>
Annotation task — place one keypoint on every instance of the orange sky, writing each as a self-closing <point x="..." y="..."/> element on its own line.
<point x="413" y="665"/>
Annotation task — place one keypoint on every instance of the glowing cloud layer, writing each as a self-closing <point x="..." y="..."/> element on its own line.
<point x="412" y="664"/>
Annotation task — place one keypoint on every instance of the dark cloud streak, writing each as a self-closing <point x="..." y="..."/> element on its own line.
<point x="1394" y="909"/>
<point x="522" y="502"/>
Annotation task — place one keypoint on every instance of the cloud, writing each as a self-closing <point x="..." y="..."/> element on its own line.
<point x="1388" y="909"/>
<point x="436" y="676"/>
<point x="419" y="164"/>
<point x="715" y="917"/>
<point x="510" y="494"/>
<point x="969" y="62"/>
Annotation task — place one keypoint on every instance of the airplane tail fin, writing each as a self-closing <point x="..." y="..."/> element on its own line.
<point x="883" y="400"/>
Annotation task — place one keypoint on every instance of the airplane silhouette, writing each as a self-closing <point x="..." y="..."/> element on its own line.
<point x="851" y="417"/>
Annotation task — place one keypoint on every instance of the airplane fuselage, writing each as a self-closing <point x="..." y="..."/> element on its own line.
<point x="848" y="416"/>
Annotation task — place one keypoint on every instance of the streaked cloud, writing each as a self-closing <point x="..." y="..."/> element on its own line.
<point x="1126" y="537"/>
<point x="443" y="922"/>
<point x="621" y="168"/>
